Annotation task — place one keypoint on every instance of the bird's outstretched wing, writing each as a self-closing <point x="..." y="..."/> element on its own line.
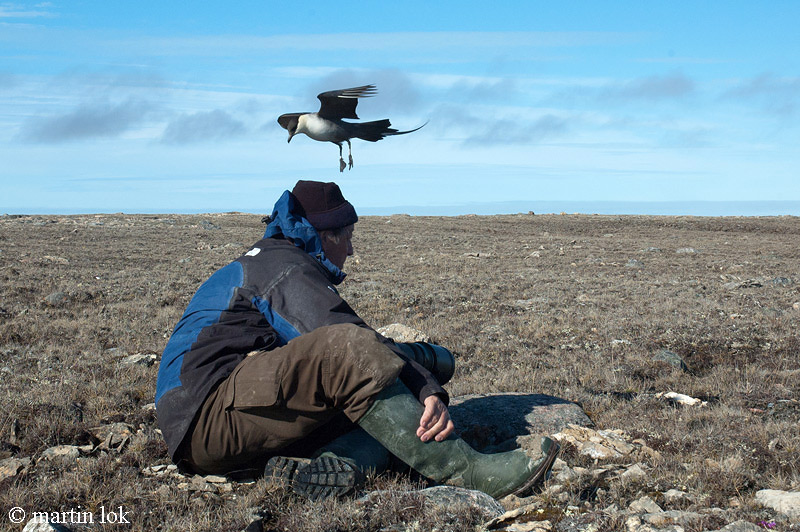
<point x="342" y="103"/>
<point x="284" y="120"/>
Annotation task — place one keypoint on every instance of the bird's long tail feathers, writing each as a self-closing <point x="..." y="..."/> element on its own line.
<point x="375" y="131"/>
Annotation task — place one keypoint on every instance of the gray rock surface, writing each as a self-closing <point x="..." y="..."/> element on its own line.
<point x="445" y="498"/>
<point x="785" y="502"/>
<point x="11" y="467"/>
<point x="61" y="452"/>
<point x="504" y="421"/>
<point x="36" y="525"/>
<point x="403" y="333"/>
<point x="671" y="358"/>
<point x="740" y="526"/>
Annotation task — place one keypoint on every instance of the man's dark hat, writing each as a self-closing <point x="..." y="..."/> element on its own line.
<point x="323" y="205"/>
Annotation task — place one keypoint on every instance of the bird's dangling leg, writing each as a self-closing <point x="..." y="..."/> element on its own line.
<point x="350" y="154"/>
<point x="341" y="161"/>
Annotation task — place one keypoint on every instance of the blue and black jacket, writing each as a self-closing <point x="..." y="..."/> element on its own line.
<point x="281" y="288"/>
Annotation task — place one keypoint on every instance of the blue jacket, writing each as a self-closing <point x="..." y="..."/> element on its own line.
<point x="281" y="288"/>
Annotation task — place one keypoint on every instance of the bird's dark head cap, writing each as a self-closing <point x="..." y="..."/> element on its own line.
<point x="324" y="205"/>
<point x="289" y="122"/>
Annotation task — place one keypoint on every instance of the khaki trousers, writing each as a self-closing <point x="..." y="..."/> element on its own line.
<point x="290" y="400"/>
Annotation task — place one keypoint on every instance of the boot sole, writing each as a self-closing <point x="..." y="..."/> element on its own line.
<point x="540" y="473"/>
<point x="316" y="479"/>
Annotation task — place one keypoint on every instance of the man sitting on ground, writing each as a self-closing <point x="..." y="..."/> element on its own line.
<point x="270" y="370"/>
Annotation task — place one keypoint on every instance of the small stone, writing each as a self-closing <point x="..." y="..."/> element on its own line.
<point x="741" y="526"/>
<point x="673" y="496"/>
<point x="61" y="452"/>
<point x="672" y="517"/>
<point x="445" y="497"/>
<point x="37" y="524"/>
<point x="796" y="306"/>
<point x="54" y="259"/>
<point x="531" y="526"/>
<point x="11" y="467"/>
<point x="681" y="399"/>
<point x="686" y="251"/>
<point x="645" y="505"/>
<point x="566" y="475"/>
<point x="403" y="333"/>
<point x="56" y="298"/>
<point x="215" y="479"/>
<point x="633" y="263"/>
<point x="113" y="436"/>
<point x="671" y="358"/>
<point x="785" y="502"/>
<point x="634" y="473"/>
<point x="139" y="359"/>
<point x="199" y="483"/>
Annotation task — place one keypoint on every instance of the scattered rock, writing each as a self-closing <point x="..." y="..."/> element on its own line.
<point x="55" y="260"/>
<point x="740" y="526"/>
<point x="671" y="358"/>
<point x="530" y="526"/>
<point x="205" y="224"/>
<point x="403" y="333"/>
<point x="681" y="399"/>
<point x="651" y="250"/>
<point x="645" y="505"/>
<point x="56" y="298"/>
<point x="11" y="467"/>
<point x="634" y="473"/>
<point x="672" y="517"/>
<point x="633" y="263"/>
<point x="519" y="517"/>
<point x="781" y="281"/>
<point x="749" y="283"/>
<point x="61" y="453"/>
<point x="139" y="359"/>
<point x="598" y="444"/>
<point x="501" y="422"/>
<point x="686" y="251"/>
<point x="445" y="498"/>
<point x="39" y="525"/>
<point x="785" y="502"/>
<point x="674" y="496"/>
<point x="113" y="436"/>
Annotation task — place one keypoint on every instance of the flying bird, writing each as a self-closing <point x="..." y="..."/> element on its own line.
<point x="326" y="125"/>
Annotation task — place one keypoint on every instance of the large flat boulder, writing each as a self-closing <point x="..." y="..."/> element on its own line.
<point x="504" y="421"/>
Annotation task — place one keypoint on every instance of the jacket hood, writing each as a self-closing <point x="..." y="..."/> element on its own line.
<point x="286" y="221"/>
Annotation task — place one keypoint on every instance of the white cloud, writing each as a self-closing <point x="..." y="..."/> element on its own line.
<point x="91" y="120"/>
<point x="203" y="126"/>
<point x="8" y="10"/>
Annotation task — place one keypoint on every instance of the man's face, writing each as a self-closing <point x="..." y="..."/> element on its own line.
<point x="338" y="251"/>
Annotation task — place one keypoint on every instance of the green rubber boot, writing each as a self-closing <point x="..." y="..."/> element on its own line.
<point x="337" y="469"/>
<point x="393" y="420"/>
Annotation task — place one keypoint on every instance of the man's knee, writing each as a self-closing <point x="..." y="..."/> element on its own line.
<point x="363" y="348"/>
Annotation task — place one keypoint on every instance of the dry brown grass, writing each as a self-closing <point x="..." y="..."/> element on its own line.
<point x="546" y="304"/>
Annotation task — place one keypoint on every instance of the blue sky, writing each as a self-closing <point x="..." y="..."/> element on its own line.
<point x="172" y="106"/>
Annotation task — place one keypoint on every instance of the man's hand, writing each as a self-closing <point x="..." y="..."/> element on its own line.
<point x="435" y="421"/>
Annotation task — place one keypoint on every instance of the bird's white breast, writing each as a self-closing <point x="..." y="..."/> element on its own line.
<point x="316" y="127"/>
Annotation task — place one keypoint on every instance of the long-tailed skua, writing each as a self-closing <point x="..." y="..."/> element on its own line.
<point x="327" y="124"/>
